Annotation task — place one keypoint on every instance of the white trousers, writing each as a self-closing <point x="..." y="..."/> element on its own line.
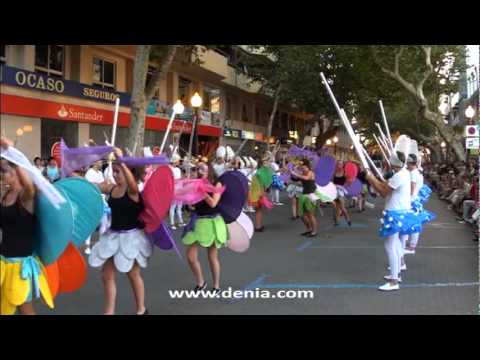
<point x="393" y="248"/>
<point x="176" y="208"/>
<point x="275" y="195"/>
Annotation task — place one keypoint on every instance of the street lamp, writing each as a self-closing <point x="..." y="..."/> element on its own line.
<point x="329" y="142"/>
<point x="470" y="113"/>
<point x="443" y="145"/>
<point x="196" y="102"/>
<point x="335" y="141"/>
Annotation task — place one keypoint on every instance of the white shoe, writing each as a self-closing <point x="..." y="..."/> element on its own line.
<point x="389" y="287"/>
<point x="408" y="252"/>
<point x="389" y="277"/>
<point x="173" y="227"/>
<point x="88" y="251"/>
<point x="182" y="224"/>
<point x="279" y="203"/>
<point x="402" y="268"/>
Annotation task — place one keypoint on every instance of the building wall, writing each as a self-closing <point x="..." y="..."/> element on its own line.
<point x="29" y="142"/>
<point x="78" y="66"/>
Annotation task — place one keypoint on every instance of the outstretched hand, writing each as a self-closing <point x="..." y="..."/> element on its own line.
<point x="5" y="143"/>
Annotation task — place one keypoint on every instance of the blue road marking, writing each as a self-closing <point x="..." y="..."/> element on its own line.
<point x="305" y="245"/>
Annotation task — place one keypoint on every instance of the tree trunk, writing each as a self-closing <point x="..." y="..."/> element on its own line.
<point x="436" y="153"/>
<point x="274" y="111"/>
<point x="142" y="93"/>
<point x="138" y="102"/>
<point x="417" y="92"/>
<point x="447" y="133"/>
<point x="331" y="131"/>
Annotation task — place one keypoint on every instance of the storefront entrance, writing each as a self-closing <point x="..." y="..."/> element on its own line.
<point x="54" y="130"/>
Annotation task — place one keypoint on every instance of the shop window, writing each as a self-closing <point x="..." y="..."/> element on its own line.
<point x="184" y="91"/>
<point x="244" y="113"/>
<point x="3" y="52"/>
<point x="104" y="73"/>
<point x="228" y="108"/>
<point x="211" y="100"/>
<point x="50" y="59"/>
<point x="150" y="72"/>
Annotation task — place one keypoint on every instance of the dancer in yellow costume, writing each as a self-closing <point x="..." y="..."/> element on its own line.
<point x="22" y="275"/>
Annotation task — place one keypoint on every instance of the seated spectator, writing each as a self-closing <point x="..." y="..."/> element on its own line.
<point x="471" y="204"/>
<point x="459" y="194"/>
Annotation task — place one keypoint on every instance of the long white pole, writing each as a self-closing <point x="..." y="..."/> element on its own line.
<point x="356" y="142"/>
<point x="381" y="149"/>
<point x="346" y="123"/>
<point x="379" y="174"/>
<point x="385" y="123"/>
<point x="169" y="127"/>
<point x="115" y="121"/>
<point x="384" y="138"/>
<point x="385" y="146"/>
<point x="114" y="134"/>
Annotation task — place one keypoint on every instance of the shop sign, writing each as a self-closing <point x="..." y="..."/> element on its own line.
<point x="248" y="135"/>
<point x="55" y="85"/>
<point x="37" y="108"/>
<point x="56" y="154"/>
<point x="472" y="143"/>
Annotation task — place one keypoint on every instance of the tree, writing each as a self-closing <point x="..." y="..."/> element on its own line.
<point x="290" y="75"/>
<point x="424" y="72"/>
<point x="162" y="57"/>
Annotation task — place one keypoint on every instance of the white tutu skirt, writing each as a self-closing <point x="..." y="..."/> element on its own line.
<point x="124" y="247"/>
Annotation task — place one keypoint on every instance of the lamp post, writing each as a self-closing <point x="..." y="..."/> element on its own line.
<point x="335" y="141"/>
<point x="196" y="101"/>
<point x="443" y="145"/>
<point x="469" y="114"/>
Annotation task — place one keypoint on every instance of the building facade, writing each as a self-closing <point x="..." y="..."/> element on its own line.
<point x="49" y="92"/>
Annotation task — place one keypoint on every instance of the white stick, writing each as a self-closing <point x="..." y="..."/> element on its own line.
<point x="385" y="140"/>
<point x="385" y="147"/>
<point x="169" y="127"/>
<point x="356" y="142"/>
<point x="114" y="134"/>
<point x="115" y="121"/>
<point x="385" y="123"/>
<point x="381" y="149"/>
<point x="346" y="123"/>
<point x="374" y="167"/>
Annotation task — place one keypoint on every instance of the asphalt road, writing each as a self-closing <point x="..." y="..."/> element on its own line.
<point x="342" y="266"/>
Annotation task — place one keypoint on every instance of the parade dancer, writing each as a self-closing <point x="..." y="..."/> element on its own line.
<point x="125" y="247"/>
<point x="417" y="207"/>
<point x="206" y="229"/>
<point x="339" y="207"/>
<point x="277" y="184"/>
<point x="176" y="206"/>
<point x="262" y="180"/>
<point x="397" y="215"/>
<point x="22" y="275"/>
<point x="294" y="190"/>
<point x="306" y="206"/>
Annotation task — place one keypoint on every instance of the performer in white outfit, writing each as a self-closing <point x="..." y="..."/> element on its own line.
<point x="396" y="191"/>
<point x="176" y="206"/>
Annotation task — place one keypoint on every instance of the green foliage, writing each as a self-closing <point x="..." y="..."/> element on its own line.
<point x="357" y="79"/>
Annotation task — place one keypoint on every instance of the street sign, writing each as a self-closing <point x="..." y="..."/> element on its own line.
<point x="471" y="131"/>
<point x="472" y="143"/>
